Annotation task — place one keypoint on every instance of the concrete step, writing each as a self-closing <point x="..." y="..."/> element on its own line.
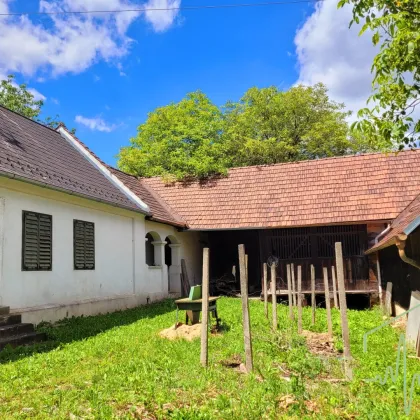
<point x="10" y="319"/>
<point x="22" y="339"/>
<point x="4" y="310"/>
<point x="15" y="329"/>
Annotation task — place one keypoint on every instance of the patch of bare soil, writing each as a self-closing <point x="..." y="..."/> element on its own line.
<point x="235" y="363"/>
<point x="319" y="343"/>
<point x="186" y="332"/>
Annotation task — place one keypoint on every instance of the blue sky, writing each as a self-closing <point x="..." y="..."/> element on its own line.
<point x="105" y="73"/>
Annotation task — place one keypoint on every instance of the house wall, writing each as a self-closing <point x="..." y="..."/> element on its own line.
<point x="121" y="278"/>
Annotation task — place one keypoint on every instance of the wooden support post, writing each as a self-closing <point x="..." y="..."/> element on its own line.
<point x="265" y="291"/>
<point x="289" y="292"/>
<point x="292" y="268"/>
<point x="388" y="299"/>
<point x="205" y="308"/>
<point x="379" y="278"/>
<point x="343" y="310"/>
<point x="243" y="272"/>
<point x="299" y="298"/>
<point x="313" y="299"/>
<point x="274" y="295"/>
<point x="327" y="301"/>
<point x="334" y="282"/>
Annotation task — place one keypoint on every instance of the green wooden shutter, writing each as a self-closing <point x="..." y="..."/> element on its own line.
<point x="37" y="241"/>
<point x="84" y="245"/>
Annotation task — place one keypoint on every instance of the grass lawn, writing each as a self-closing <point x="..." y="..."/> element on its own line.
<point x="116" y="366"/>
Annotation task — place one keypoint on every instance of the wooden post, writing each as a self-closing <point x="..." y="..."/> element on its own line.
<point x="334" y="287"/>
<point x="299" y="298"/>
<point x="265" y="290"/>
<point x="343" y="309"/>
<point x="379" y="278"/>
<point x="292" y="268"/>
<point x="388" y="299"/>
<point x="327" y="302"/>
<point x="274" y="295"/>
<point x="205" y="308"/>
<point x="313" y="299"/>
<point x="289" y="292"/>
<point x="245" y="308"/>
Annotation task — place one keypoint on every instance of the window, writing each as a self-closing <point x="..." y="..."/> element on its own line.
<point x="150" y="250"/>
<point x="84" y="245"/>
<point x="36" y="241"/>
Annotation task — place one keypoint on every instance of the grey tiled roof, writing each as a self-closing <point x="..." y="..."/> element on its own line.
<point x="36" y="153"/>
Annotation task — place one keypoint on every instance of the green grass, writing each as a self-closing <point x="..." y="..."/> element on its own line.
<point x="116" y="366"/>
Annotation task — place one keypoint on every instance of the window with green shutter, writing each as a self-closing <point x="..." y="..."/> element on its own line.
<point x="36" y="241"/>
<point x="84" y="245"/>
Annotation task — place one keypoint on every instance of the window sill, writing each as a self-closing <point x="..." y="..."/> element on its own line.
<point x="154" y="267"/>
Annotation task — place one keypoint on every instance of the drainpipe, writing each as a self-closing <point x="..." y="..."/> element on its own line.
<point x="401" y="241"/>
<point x="383" y="233"/>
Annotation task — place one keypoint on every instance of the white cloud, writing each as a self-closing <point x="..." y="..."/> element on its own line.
<point x="95" y="124"/>
<point x="55" y="101"/>
<point x="329" y="52"/>
<point x="38" y="96"/>
<point x="71" y="43"/>
<point x="161" y="20"/>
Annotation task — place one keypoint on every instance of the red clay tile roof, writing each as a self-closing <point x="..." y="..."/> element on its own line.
<point x="408" y="215"/>
<point x="339" y="190"/>
<point x="35" y="153"/>
<point x="160" y="211"/>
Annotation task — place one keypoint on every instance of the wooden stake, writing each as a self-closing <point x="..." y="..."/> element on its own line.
<point x="334" y="287"/>
<point x="274" y="295"/>
<point x="327" y="302"/>
<point x="343" y="309"/>
<point x="245" y="308"/>
<point x="292" y="268"/>
<point x="313" y="299"/>
<point x="265" y="290"/>
<point x="299" y="298"/>
<point x="289" y="292"/>
<point x="205" y="308"/>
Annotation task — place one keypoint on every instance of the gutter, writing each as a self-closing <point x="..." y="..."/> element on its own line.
<point x="63" y="190"/>
<point x="401" y="242"/>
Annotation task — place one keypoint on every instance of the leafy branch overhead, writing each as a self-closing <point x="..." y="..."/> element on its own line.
<point x="394" y="105"/>
<point x="196" y="138"/>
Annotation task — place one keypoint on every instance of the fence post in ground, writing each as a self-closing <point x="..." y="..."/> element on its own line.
<point x="334" y="282"/>
<point x="343" y="309"/>
<point x="313" y="299"/>
<point x="205" y="308"/>
<point x="388" y="299"/>
<point x="274" y="295"/>
<point x="243" y="272"/>
<point x="299" y="298"/>
<point x="265" y="290"/>
<point x="289" y="292"/>
<point x="327" y="302"/>
<point x="292" y="268"/>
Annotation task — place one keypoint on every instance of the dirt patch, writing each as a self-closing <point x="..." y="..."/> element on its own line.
<point x="319" y="343"/>
<point x="186" y="332"/>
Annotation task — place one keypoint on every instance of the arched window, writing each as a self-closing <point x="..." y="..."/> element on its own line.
<point x="150" y="250"/>
<point x="153" y="249"/>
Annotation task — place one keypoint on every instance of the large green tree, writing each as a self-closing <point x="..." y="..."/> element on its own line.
<point x="393" y="114"/>
<point x="195" y="138"/>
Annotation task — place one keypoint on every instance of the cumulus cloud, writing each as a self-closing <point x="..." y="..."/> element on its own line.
<point x="329" y="52"/>
<point x="95" y="124"/>
<point x="72" y="43"/>
<point x="161" y="20"/>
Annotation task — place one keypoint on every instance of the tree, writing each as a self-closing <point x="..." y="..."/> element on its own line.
<point x="394" y="25"/>
<point x="195" y="138"/>
<point x="17" y="98"/>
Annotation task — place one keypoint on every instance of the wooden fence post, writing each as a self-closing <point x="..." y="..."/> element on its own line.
<point x="243" y="272"/>
<point x="313" y="299"/>
<point x="327" y="302"/>
<point x="265" y="290"/>
<point x="274" y="295"/>
<point x="205" y="308"/>
<point x="343" y="309"/>
<point x="334" y="282"/>
<point x="299" y="298"/>
<point x="292" y="268"/>
<point x="289" y="292"/>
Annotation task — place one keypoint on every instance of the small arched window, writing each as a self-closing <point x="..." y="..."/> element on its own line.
<point x="150" y="250"/>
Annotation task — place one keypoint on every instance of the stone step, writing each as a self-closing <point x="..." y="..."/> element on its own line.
<point x="15" y="329"/>
<point x="10" y="319"/>
<point x="4" y="310"/>
<point x="22" y="339"/>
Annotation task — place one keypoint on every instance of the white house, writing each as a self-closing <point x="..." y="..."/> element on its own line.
<point x="73" y="238"/>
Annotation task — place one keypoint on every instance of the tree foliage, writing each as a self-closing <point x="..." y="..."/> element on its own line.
<point x="395" y="28"/>
<point x="195" y="138"/>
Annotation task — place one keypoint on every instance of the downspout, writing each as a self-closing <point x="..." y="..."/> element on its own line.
<point x="383" y="233"/>
<point x="401" y="241"/>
